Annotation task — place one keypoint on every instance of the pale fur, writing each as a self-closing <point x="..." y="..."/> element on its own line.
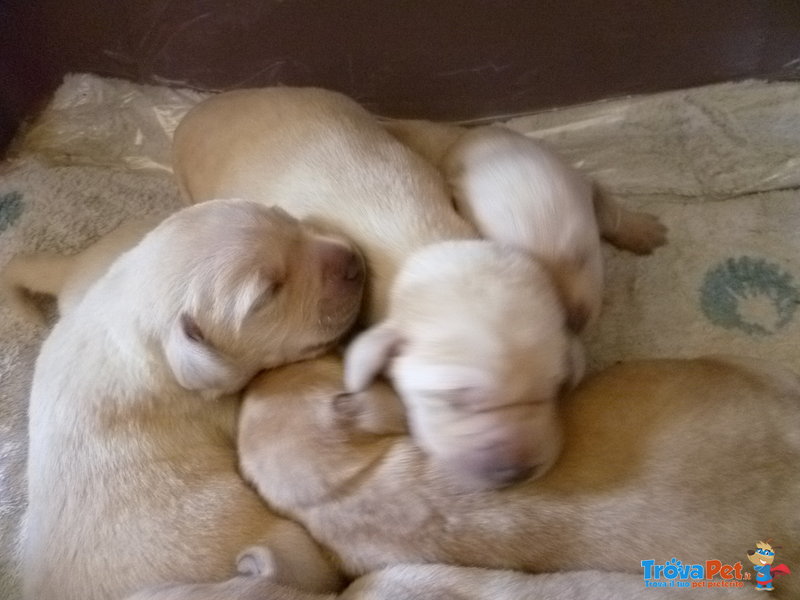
<point x="447" y="582"/>
<point x="457" y="365"/>
<point x="320" y="155"/>
<point x="132" y="475"/>
<point x="440" y="143"/>
<point x="517" y="191"/>
<point x="693" y="459"/>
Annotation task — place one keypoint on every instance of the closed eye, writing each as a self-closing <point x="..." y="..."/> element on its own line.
<point x="268" y="295"/>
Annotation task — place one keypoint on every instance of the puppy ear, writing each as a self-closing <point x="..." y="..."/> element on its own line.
<point x="368" y="355"/>
<point x="194" y="362"/>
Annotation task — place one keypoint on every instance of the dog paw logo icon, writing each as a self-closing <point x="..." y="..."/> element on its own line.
<point x="763" y="558"/>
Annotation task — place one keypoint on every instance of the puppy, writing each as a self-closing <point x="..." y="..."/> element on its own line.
<point x="442" y="145"/>
<point x="320" y="155"/>
<point x="132" y="458"/>
<point x="479" y="368"/>
<point x="663" y="459"/>
<point x="516" y="191"/>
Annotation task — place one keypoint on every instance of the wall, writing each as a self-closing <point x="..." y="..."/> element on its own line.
<point x="423" y="58"/>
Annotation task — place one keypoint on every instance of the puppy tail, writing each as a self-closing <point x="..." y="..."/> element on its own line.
<point x="34" y="274"/>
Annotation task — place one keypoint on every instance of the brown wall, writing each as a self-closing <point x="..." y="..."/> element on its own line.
<point x="432" y="58"/>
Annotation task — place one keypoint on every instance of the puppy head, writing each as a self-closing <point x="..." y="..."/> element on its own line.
<point x="231" y="287"/>
<point x="477" y="347"/>
<point x="302" y="438"/>
<point x="518" y="191"/>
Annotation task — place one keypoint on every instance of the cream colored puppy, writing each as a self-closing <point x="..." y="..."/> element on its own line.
<point x="479" y="366"/>
<point x="692" y="459"/>
<point x="320" y="155"/>
<point x="518" y="191"/>
<point x="132" y="458"/>
<point x="637" y="232"/>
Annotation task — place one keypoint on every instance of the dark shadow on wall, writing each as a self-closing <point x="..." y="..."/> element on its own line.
<point x="407" y="58"/>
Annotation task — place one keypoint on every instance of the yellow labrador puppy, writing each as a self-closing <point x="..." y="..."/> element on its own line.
<point x="518" y="191"/>
<point x="687" y="459"/>
<point x="133" y="405"/>
<point x="320" y="155"/>
<point x="460" y="160"/>
<point x="479" y="368"/>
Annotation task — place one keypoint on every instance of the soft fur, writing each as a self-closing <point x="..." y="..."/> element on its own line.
<point x="694" y="459"/>
<point x="479" y="366"/>
<point x="132" y="476"/>
<point x="533" y="169"/>
<point x="320" y="155"/>
<point x="445" y="582"/>
<point x="517" y="191"/>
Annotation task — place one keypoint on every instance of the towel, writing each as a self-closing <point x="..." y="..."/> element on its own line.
<point x="717" y="164"/>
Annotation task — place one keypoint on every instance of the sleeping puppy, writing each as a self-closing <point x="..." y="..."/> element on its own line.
<point x="133" y="408"/>
<point x="691" y="459"/>
<point x="442" y="145"/>
<point x="321" y="156"/>
<point x="517" y="191"/>
<point x="459" y="352"/>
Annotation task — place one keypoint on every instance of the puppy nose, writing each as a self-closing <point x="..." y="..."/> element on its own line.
<point x="343" y="264"/>
<point x="502" y="464"/>
<point x="355" y="268"/>
<point x="510" y="475"/>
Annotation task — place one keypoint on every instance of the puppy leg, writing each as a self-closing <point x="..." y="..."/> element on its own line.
<point x="66" y="277"/>
<point x="34" y="274"/>
<point x="638" y="232"/>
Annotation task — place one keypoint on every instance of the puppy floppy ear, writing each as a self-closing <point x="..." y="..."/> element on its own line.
<point x="368" y="355"/>
<point x="194" y="362"/>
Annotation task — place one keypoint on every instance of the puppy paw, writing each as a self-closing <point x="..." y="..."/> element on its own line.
<point x="257" y="561"/>
<point x="638" y="232"/>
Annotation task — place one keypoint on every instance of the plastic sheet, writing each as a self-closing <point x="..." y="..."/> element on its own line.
<point x="108" y="122"/>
